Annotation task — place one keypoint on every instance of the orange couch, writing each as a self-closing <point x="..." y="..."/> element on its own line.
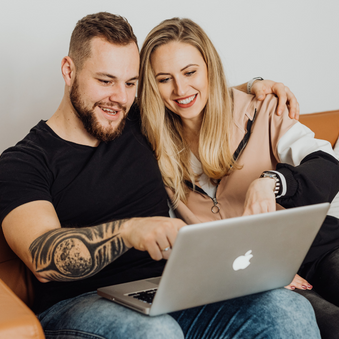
<point x="18" y="321"/>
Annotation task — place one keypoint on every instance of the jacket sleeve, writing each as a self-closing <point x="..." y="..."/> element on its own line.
<point x="315" y="180"/>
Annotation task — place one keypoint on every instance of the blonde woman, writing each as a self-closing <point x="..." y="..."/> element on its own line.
<point x="221" y="152"/>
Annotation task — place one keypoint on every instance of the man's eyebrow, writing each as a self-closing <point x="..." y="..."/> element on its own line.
<point x="114" y="77"/>
<point x="180" y="70"/>
<point x="134" y="78"/>
<point x="106" y="75"/>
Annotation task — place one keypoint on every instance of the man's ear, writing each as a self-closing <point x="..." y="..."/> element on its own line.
<point x="68" y="70"/>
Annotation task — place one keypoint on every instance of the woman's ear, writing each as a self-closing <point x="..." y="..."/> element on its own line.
<point x="68" y="70"/>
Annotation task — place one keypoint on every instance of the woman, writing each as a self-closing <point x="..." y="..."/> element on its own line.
<point x="221" y="152"/>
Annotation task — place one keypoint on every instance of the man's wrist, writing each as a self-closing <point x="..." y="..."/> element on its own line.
<point x="251" y="82"/>
<point x="124" y="231"/>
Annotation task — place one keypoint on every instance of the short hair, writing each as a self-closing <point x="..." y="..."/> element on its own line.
<point x="113" y="28"/>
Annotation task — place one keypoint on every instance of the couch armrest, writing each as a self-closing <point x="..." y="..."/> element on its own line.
<point x="325" y="125"/>
<point x="16" y="319"/>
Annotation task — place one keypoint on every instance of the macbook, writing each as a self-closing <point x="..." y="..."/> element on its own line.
<point x="225" y="259"/>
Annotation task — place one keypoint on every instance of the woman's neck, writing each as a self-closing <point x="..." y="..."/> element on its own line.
<point x="191" y="130"/>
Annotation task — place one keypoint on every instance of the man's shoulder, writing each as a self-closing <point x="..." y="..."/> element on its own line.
<point x="34" y="142"/>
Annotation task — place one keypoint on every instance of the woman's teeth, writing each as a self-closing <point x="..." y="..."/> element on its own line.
<point x="187" y="100"/>
<point x="109" y="111"/>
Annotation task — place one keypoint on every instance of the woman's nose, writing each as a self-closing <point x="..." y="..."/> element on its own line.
<point x="180" y="88"/>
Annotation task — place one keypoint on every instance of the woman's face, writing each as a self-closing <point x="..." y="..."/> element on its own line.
<point x="182" y="79"/>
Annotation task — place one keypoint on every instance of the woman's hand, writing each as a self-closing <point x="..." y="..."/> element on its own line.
<point x="300" y="283"/>
<point x="285" y="97"/>
<point x="260" y="197"/>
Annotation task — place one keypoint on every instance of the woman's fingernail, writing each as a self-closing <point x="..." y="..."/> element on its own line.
<point x="303" y="287"/>
<point x="309" y="286"/>
<point x="292" y="288"/>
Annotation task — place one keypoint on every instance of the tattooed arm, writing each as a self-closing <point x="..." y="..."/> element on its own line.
<point x="69" y="254"/>
<point x="34" y="233"/>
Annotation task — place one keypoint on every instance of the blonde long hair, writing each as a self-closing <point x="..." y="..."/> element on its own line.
<point x="164" y="129"/>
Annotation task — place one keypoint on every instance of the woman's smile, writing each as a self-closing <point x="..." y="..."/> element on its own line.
<point x="186" y="102"/>
<point x="182" y="79"/>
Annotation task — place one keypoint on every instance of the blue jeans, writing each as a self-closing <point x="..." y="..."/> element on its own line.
<point x="274" y="314"/>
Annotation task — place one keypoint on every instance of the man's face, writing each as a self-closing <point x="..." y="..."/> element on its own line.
<point x="104" y="89"/>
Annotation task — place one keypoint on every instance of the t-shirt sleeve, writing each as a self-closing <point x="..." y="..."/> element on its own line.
<point x="24" y="177"/>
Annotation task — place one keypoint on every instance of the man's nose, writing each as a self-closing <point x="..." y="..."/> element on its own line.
<point x="119" y="94"/>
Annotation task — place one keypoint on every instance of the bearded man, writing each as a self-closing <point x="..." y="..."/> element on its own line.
<point x="83" y="204"/>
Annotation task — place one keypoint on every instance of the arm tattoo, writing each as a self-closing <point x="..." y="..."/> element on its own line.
<point x="69" y="254"/>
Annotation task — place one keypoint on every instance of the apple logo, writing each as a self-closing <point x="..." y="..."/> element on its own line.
<point x="243" y="261"/>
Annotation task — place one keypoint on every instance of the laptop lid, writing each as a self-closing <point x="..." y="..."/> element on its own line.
<point x="230" y="258"/>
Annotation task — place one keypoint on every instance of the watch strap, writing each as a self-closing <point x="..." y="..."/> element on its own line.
<point x="250" y="84"/>
<point x="273" y="175"/>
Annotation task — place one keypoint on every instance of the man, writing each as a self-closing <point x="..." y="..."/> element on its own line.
<point x="83" y="205"/>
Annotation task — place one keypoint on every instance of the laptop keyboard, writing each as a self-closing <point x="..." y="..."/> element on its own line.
<point x="145" y="296"/>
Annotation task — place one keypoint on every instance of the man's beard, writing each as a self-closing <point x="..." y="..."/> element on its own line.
<point x="90" y="121"/>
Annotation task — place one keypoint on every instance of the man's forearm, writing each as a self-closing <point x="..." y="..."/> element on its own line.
<point x="69" y="254"/>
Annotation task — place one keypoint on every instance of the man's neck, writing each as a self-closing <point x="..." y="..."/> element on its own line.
<point x="68" y="126"/>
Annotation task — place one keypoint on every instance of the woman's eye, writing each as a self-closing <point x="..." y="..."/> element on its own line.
<point x="164" y="80"/>
<point x="190" y="73"/>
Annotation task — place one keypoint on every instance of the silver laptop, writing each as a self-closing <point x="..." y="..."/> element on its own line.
<point x="225" y="259"/>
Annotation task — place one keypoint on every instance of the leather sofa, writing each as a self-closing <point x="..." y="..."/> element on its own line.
<point x="17" y="321"/>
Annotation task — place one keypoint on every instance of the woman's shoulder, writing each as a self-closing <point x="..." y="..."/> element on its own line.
<point x="246" y="105"/>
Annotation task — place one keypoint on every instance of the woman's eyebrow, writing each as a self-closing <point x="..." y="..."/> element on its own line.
<point x="162" y="74"/>
<point x="180" y="70"/>
<point x="188" y="66"/>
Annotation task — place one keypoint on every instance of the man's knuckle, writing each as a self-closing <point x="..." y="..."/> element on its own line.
<point x="148" y="240"/>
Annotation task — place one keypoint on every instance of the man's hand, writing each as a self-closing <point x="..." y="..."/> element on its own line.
<point x="261" y="88"/>
<point x="153" y="235"/>
<point x="300" y="283"/>
<point x="260" y="197"/>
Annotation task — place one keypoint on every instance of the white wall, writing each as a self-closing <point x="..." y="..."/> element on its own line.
<point x="293" y="41"/>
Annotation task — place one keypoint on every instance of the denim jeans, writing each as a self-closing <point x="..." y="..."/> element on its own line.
<point x="274" y="314"/>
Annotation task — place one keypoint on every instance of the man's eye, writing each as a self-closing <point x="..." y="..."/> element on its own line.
<point x="105" y="82"/>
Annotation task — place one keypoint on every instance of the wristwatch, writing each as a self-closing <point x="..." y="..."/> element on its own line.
<point x="250" y="84"/>
<point x="274" y="176"/>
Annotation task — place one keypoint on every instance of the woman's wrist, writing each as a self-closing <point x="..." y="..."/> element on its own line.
<point x="277" y="187"/>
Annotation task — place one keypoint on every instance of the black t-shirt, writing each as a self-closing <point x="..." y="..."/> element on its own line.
<point x="87" y="186"/>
